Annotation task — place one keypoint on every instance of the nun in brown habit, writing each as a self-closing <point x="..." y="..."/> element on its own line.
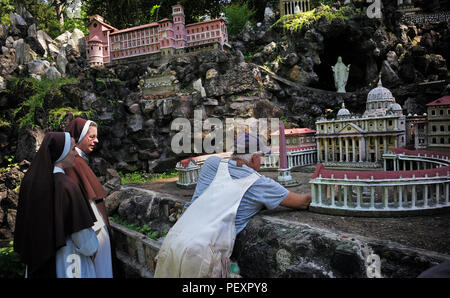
<point x="52" y="208"/>
<point x="85" y="134"/>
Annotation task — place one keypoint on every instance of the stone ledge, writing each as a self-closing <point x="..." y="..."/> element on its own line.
<point x="272" y="247"/>
<point x="136" y="251"/>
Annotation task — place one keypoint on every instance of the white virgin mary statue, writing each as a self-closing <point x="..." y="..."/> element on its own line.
<point x="340" y="74"/>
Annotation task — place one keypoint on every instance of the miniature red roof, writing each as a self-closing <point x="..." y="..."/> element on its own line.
<point x="95" y="39"/>
<point x="443" y="101"/>
<point x="276" y="149"/>
<point x="294" y="131"/>
<point x="135" y="28"/>
<point x="421" y="153"/>
<point x="378" y="175"/>
<point x="203" y="22"/>
<point x="103" y="23"/>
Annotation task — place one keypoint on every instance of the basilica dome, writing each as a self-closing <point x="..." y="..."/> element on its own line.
<point x="343" y="112"/>
<point x="379" y="100"/>
<point x="380" y="93"/>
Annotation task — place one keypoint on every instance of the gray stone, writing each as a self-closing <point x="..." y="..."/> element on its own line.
<point x="52" y="73"/>
<point x="45" y="41"/>
<point x="63" y="38"/>
<point x="77" y="40"/>
<point x="270" y="48"/>
<point x="28" y="143"/>
<point x="32" y="31"/>
<point x="210" y="74"/>
<point x="389" y="76"/>
<point x="24" y="53"/>
<point x="2" y="84"/>
<point x="87" y="99"/>
<point x="16" y="20"/>
<point x="135" y="122"/>
<point x="38" y="67"/>
<point x="61" y="61"/>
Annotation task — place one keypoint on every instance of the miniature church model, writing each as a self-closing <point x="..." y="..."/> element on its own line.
<point x="359" y="140"/>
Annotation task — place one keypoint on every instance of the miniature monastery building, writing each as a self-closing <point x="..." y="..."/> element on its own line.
<point x="107" y="44"/>
<point x="438" y="112"/>
<point x="362" y="139"/>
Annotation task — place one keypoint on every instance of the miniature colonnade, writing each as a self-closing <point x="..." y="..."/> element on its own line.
<point x="288" y="6"/>
<point x="297" y="158"/>
<point x="354" y="148"/>
<point x="382" y="193"/>
<point x="403" y="160"/>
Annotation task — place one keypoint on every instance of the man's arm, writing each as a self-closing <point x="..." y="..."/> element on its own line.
<point x="296" y="201"/>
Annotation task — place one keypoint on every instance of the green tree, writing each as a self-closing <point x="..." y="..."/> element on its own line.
<point x="81" y="22"/>
<point x="6" y="7"/>
<point x="237" y="15"/>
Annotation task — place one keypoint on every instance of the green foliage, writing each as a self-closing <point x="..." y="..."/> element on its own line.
<point x="4" y="123"/>
<point x="146" y="230"/>
<point x="80" y="23"/>
<point x="40" y="90"/>
<point x="154" y="13"/>
<point x="135" y="177"/>
<point x="56" y="116"/>
<point x="141" y="176"/>
<point x="295" y="22"/>
<point x="237" y="15"/>
<point x="45" y="15"/>
<point x="6" y="7"/>
<point x="10" y="264"/>
<point x="316" y="3"/>
<point x="10" y="165"/>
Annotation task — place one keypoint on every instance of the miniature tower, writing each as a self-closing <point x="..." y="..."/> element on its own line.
<point x="179" y="26"/>
<point x="284" y="172"/>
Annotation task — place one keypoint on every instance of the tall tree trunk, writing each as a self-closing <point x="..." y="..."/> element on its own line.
<point x="59" y="14"/>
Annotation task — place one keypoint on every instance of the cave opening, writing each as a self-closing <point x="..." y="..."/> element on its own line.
<point x="362" y="69"/>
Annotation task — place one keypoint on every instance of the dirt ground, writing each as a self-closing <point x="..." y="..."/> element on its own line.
<point x="431" y="232"/>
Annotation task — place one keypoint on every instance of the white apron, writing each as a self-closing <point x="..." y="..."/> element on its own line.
<point x="201" y="241"/>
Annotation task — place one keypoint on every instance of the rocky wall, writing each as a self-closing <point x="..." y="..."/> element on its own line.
<point x="270" y="247"/>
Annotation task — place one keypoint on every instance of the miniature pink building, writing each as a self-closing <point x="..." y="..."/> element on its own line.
<point x="107" y="44"/>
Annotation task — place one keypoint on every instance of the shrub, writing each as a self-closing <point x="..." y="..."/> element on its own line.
<point x="40" y="91"/>
<point x="141" y="176"/>
<point x="237" y="15"/>
<point x="295" y="22"/>
<point x="10" y="264"/>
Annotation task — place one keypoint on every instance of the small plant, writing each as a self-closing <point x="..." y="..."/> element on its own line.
<point x="145" y="229"/>
<point x="10" y="264"/>
<point x="40" y="90"/>
<point x="295" y="22"/>
<point x="56" y="116"/>
<point x="10" y="165"/>
<point x="141" y="176"/>
<point x="135" y="177"/>
<point x="237" y="15"/>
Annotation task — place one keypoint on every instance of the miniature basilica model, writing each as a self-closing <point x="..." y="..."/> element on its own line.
<point x="360" y="141"/>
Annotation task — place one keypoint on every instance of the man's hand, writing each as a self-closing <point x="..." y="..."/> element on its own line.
<point x="297" y="201"/>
